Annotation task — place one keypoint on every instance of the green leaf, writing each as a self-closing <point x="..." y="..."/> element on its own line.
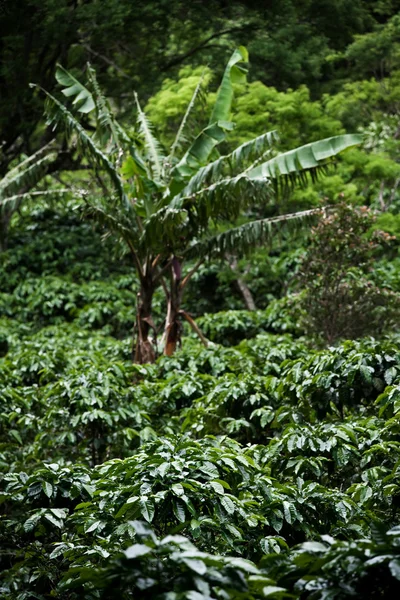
<point x="83" y="97"/>
<point x="217" y="487"/>
<point x="163" y="468"/>
<point x="153" y="147"/>
<point x="286" y="511"/>
<point x="177" y="488"/>
<point x="209" y="469"/>
<point x="269" y="590"/>
<point x="57" y="113"/>
<point x="366" y="373"/>
<point x="308" y="158"/>
<point x="47" y="488"/>
<point x="137" y="550"/>
<point x="390" y="374"/>
<point x="93" y="527"/>
<point x="227" y="504"/>
<point x="244" y="565"/>
<point x="58" y="523"/>
<point x="219" y="122"/>
<point x="58" y="550"/>
<point x="224" y="484"/>
<point x="246" y="237"/>
<point x="15" y="434"/>
<point x="195" y="565"/>
<point x="235" y="72"/>
<point x="182" y="126"/>
<point x="234" y="531"/>
<point x="179" y="510"/>
<point x="30" y="523"/>
<point x="60" y="513"/>
<point x="27" y="173"/>
<point x="313" y="547"/>
<point x="147" y="510"/>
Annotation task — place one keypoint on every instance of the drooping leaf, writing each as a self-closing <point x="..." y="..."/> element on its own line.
<point x="292" y="166"/>
<point x="74" y="88"/>
<point x="246" y="237"/>
<point x="57" y="113"/>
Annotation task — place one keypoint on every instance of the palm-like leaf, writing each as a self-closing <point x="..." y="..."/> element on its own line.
<point x="16" y="185"/>
<point x="38" y="193"/>
<point x="244" y="238"/>
<point x="109" y="131"/>
<point x="72" y="87"/>
<point x="153" y="147"/>
<point x="293" y="165"/>
<point x="219" y="123"/>
<point x="188" y="216"/>
<point x="179" y="135"/>
<point x="233" y="162"/>
<point x="117" y="221"/>
<point x="27" y="173"/>
<point x="57" y="113"/>
<point x="225" y="199"/>
<point x="162" y="229"/>
<point x="235" y="72"/>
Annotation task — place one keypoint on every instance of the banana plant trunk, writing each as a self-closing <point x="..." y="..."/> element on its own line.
<point x="144" y="345"/>
<point x="175" y="313"/>
<point x="173" y="324"/>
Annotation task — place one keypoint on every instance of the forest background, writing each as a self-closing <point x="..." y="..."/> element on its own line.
<point x="262" y="459"/>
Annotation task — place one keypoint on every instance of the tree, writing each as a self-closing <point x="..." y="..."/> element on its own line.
<point x="291" y="43"/>
<point x="165" y="208"/>
<point x="341" y="298"/>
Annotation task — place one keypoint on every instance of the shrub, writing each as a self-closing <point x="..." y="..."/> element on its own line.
<point x="342" y="299"/>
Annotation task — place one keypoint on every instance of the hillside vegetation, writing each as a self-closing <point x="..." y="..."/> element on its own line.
<point x="200" y="301"/>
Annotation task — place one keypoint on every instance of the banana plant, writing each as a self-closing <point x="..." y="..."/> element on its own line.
<point x="167" y="208"/>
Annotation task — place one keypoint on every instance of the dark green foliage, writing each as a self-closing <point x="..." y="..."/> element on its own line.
<point x="290" y="42"/>
<point x="185" y="570"/>
<point x="329" y="467"/>
<point x="244" y="450"/>
<point x="259" y="466"/>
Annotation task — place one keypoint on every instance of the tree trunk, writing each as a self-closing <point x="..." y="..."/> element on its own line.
<point x="242" y="285"/>
<point x="173" y="325"/>
<point x="144" y="350"/>
<point x="246" y="294"/>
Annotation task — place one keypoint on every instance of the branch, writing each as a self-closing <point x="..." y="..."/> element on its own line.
<point x="241" y="284"/>
<point x="108" y="61"/>
<point x="187" y="278"/>
<point x="177" y="60"/>
<point x="195" y="327"/>
<point x="156" y="261"/>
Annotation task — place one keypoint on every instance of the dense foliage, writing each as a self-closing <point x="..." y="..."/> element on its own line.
<point x="263" y="459"/>
<point x="343" y="296"/>
<point x="240" y="452"/>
